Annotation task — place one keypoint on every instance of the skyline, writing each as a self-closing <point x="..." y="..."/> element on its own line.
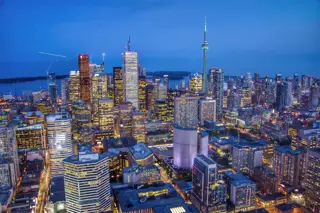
<point x="250" y="37"/>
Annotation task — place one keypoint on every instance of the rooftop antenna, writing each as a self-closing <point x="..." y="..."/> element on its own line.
<point x="129" y="44"/>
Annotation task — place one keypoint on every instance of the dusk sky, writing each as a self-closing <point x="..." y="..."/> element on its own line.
<point x="265" y="36"/>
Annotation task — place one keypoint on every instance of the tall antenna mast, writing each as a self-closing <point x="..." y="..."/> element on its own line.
<point x="129" y="44"/>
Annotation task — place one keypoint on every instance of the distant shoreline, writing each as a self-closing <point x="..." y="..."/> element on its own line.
<point x="28" y="79"/>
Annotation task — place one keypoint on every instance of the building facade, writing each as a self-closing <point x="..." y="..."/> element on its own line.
<point x="208" y="192"/>
<point x="59" y="141"/>
<point x="85" y="88"/>
<point x="87" y="183"/>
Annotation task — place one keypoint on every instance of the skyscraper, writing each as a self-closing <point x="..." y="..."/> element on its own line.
<point x="161" y="110"/>
<point x="130" y="76"/>
<point x="105" y="114"/>
<point x="208" y="192"/>
<point x="288" y="164"/>
<point x="142" y="94"/>
<point x="85" y="94"/>
<point x="87" y="183"/>
<point x="53" y="91"/>
<point x="166" y="81"/>
<point x="59" y="140"/>
<point x="205" y="47"/>
<point x="242" y="192"/>
<point x="284" y="95"/>
<point x="9" y="161"/>
<point x="217" y="78"/>
<point x="195" y="83"/>
<point x="74" y="86"/>
<point x="138" y="126"/>
<point x="125" y="119"/>
<point x="161" y="92"/>
<point x="99" y="87"/>
<point x="246" y="158"/>
<point x="118" y="85"/>
<point x="311" y="181"/>
<point x="186" y="112"/>
<point x="207" y="110"/>
<point x="314" y="96"/>
<point x="150" y="92"/>
<point x="65" y="95"/>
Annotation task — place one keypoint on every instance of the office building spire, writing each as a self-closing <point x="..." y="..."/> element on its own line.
<point x="129" y="45"/>
<point x="205" y="48"/>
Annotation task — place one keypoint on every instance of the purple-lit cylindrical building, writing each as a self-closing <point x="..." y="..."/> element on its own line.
<point x="184" y="146"/>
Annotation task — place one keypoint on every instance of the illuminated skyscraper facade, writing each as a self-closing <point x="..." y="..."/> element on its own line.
<point x="142" y="94"/>
<point x="172" y="93"/>
<point x="81" y="117"/>
<point x="99" y="88"/>
<point x="118" y="86"/>
<point x="139" y="126"/>
<point x="161" y="92"/>
<point x="74" y="86"/>
<point x="52" y="87"/>
<point x="217" y="78"/>
<point x="311" y="181"/>
<point x="30" y="136"/>
<point x="195" y="83"/>
<point x="85" y="88"/>
<point x="59" y="140"/>
<point x="150" y="92"/>
<point x="9" y="162"/>
<point x="186" y="112"/>
<point x="283" y="95"/>
<point x="207" y="110"/>
<point x="125" y="119"/>
<point x="208" y="193"/>
<point x="65" y="92"/>
<point x="130" y="77"/>
<point x="161" y="110"/>
<point x="87" y="183"/>
<point x="166" y="81"/>
<point x="288" y="165"/>
<point x="105" y="114"/>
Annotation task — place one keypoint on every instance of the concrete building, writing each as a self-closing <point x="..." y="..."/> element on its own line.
<point x="242" y="192"/>
<point x="289" y="165"/>
<point x="245" y="158"/>
<point x="140" y="154"/>
<point x="207" y="110"/>
<point x="138" y="174"/>
<point x="186" y="112"/>
<point x="185" y="146"/>
<point x="86" y="180"/>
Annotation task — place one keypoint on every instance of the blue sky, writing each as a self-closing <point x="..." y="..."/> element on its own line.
<point x="265" y="36"/>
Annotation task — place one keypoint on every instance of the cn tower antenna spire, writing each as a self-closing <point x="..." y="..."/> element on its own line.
<point x="205" y="47"/>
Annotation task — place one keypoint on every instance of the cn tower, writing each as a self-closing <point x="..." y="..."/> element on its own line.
<point x="205" y="47"/>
